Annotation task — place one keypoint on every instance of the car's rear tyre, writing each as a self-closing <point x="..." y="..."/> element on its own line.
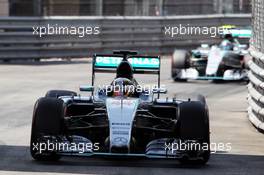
<point x="47" y="121"/>
<point x="194" y="125"/>
<point x="58" y="93"/>
<point x="180" y="60"/>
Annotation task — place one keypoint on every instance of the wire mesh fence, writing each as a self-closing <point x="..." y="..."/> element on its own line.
<point x="126" y="7"/>
<point x="256" y="74"/>
<point x="258" y="24"/>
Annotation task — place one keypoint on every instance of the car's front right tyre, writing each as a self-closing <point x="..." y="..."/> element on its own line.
<point x="194" y="125"/>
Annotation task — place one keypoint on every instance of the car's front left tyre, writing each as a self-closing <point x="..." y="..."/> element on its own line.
<point x="47" y="121"/>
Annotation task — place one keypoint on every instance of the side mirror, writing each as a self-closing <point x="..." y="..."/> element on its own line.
<point x="86" y="88"/>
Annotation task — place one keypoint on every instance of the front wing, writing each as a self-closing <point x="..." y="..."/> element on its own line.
<point x="229" y="75"/>
<point x="166" y="148"/>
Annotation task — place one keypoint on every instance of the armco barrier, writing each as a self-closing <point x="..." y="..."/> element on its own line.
<point x="256" y="89"/>
<point x="145" y="34"/>
<point x="256" y="75"/>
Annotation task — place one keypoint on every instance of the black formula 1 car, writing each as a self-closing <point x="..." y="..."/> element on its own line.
<point x="121" y="119"/>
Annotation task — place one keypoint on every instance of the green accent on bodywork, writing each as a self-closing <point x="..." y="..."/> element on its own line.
<point x="110" y="62"/>
<point x="240" y="33"/>
<point x="136" y="62"/>
<point x="86" y="88"/>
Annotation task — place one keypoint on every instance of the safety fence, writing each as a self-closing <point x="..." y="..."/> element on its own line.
<point x="125" y="7"/>
<point x="256" y="74"/>
<point x="145" y="34"/>
<point x="256" y="89"/>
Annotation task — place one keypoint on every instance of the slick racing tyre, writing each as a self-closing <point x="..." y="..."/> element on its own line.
<point x="47" y="121"/>
<point x="58" y="93"/>
<point x="194" y="125"/>
<point x="180" y="60"/>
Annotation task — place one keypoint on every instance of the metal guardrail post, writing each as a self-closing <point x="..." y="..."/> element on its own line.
<point x="99" y="7"/>
<point x="37" y="7"/>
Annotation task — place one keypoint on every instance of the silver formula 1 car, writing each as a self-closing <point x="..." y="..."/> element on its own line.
<point x="227" y="61"/>
<point x="119" y="119"/>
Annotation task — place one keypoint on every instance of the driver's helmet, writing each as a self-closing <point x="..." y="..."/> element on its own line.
<point x="123" y="87"/>
<point x="229" y="37"/>
<point x="124" y="70"/>
<point x="226" y="45"/>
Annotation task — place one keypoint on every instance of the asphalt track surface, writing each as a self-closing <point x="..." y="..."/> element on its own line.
<point x="21" y="84"/>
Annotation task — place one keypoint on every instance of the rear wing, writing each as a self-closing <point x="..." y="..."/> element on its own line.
<point x="140" y="64"/>
<point x="239" y="33"/>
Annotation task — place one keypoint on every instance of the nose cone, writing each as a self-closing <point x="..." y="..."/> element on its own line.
<point x="121" y="114"/>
